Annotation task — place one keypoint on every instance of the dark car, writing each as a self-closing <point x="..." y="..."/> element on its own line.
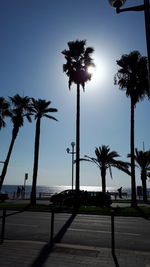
<point x="87" y="198"/>
<point x="98" y="199"/>
<point x="3" y="196"/>
<point x="61" y="197"/>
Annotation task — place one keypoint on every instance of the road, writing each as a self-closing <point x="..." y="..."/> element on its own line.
<point x="90" y="230"/>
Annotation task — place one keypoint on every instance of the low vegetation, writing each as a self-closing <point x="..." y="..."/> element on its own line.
<point x="141" y="211"/>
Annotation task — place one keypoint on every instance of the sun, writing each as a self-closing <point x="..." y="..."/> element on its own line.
<point x="91" y="69"/>
<point x="99" y="72"/>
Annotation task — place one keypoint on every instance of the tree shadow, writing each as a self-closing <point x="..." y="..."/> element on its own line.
<point x="115" y="259"/>
<point x="15" y="212"/>
<point x="47" y="249"/>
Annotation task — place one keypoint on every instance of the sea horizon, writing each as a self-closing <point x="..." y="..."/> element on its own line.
<point x="11" y="190"/>
<point x="58" y="188"/>
<point x="50" y="187"/>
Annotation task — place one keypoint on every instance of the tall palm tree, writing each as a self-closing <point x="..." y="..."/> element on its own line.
<point x="4" y="111"/>
<point x="20" y="109"/>
<point x="105" y="159"/>
<point x="40" y="108"/>
<point x="132" y="77"/>
<point x="78" y="59"/>
<point x="143" y="160"/>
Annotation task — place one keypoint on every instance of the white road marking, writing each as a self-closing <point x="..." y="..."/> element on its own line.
<point x="24" y="225"/>
<point x="99" y="231"/>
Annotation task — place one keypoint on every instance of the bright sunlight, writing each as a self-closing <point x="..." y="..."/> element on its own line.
<point x="91" y="69"/>
<point x="100" y="72"/>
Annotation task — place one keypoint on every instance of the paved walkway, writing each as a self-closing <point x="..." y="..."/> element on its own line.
<point x="37" y="254"/>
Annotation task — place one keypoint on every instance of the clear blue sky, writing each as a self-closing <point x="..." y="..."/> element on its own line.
<point x="32" y="35"/>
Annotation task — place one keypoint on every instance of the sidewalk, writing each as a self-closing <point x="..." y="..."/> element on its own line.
<point x="24" y="253"/>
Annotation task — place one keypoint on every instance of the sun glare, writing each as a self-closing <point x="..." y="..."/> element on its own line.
<point x="99" y="72"/>
<point x="91" y="69"/>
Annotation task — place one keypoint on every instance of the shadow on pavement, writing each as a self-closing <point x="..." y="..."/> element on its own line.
<point x="115" y="259"/>
<point x="16" y="212"/>
<point x="47" y="249"/>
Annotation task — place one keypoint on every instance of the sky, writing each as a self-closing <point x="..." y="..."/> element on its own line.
<point x="32" y="35"/>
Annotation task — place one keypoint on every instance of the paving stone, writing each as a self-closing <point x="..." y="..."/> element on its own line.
<point x="24" y="254"/>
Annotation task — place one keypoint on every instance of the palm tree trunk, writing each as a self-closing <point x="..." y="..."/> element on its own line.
<point x="103" y="175"/>
<point x="144" y="187"/>
<point x="36" y="158"/>
<point x="133" y="182"/>
<point x="6" y="162"/>
<point x="78" y="141"/>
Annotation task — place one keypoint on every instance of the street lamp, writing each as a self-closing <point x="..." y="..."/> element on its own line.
<point x="146" y="8"/>
<point x="117" y="3"/>
<point x="72" y="153"/>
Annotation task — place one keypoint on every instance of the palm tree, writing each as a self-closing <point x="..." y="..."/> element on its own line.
<point x="132" y="77"/>
<point x="105" y="159"/>
<point x="4" y="111"/>
<point x="143" y="160"/>
<point x="20" y="109"/>
<point x="40" y="108"/>
<point x="78" y="60"/>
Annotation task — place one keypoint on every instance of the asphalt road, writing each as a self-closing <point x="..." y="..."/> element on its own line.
<point x="90" y="230"/>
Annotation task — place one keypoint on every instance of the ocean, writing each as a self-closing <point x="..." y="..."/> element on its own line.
<point x="10" y="189"/>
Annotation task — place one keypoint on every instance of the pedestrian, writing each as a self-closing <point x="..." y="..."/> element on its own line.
<point x="22" y="192"/>
<point x="18" y="192"/>
<point x="120" y="192"/>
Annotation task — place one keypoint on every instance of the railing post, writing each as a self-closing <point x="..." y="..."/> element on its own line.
<point x="52" y="226"/>
<point x="113" y="239"/>
<point x="3" y="225"/>
<point x="112" y="233"/>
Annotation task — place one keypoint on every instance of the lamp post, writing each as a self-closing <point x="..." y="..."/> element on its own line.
<point x="146" y="8"/>
<point x="72" y="153"/>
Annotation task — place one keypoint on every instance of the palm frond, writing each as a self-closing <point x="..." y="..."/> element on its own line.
<point x="132" y="76"/>
<point x="110" y="171"/>
<point x="50" y="117"/>
<point x="77" y="60"/>
<point x="4" y="111"/>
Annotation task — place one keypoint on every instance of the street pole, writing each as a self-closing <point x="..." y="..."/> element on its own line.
<point x="72" y="163"/>
<point x="147" y="29"/>
<point x="146" y="8"/>
<point x="78" y="141"/>
<point x="72" y="152"/>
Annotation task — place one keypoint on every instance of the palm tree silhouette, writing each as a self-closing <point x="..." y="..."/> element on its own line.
<point x="4" y="112"/>
<point x="105" y="159"/>
<point x="132" y="77"/>
<point x="20" y="109"/>
<point x="142" y="158"/>
<point x="40" y="108"/>
<point x="78" y="60"/>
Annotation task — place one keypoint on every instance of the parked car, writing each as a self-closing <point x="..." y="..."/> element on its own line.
<point x="98" y="199"/>
<point x="3" y="196"/>
<point x="87" y="198"/>
<point x="60" y="197"/>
